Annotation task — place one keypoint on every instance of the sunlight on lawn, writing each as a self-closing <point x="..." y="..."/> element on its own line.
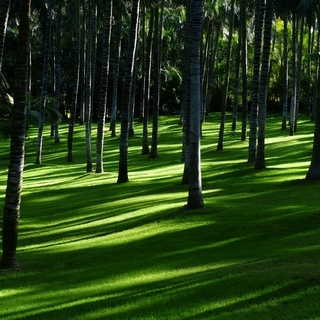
<point x="90" y="248"/>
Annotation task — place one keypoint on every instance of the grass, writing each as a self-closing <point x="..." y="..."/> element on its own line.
<point x="92" y="249"/>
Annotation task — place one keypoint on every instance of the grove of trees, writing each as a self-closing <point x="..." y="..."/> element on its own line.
<point x="85" y="61"/>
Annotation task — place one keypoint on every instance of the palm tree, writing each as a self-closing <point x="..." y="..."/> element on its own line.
<point x="131" y="49"/>
<point x="294" y="84"/>
<point x="157" y="57"/>
<point x="117" y="53"/>
<point x="244" y="67"/>
<point x="226" y="79"/>
<point x="263" y="86"/>
<point x="285" y="72"/>
<point x="11" y="214"/>
<point x="44" y="81"/>
<point x="259" y="18"/>
<point x="185" y="99"/>
<point x="76" y="75"/>
<point x="104" y="84"/>
<point x="57" y="70"/>
<point x="89" y="49"/>
<point x="195" y="199"/>
<point x="236" y="87"/>
<point x="314" y="168"/>
<point x="146" y="90"/>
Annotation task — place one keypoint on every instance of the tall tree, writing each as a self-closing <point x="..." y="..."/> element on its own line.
<point x="314" y="168"/>
<point x="258" y="27"/>
<point x="104" y="84"/>
<point x="146" y="91"/>
<point x="11" y="213"/>
<point x="263" y="87"/>
<point x="157" y="57"/>
<point x="57" y="70"/>
<point x="75" y="84"/>
<point x="195" y="198"/>
<point x="294" y="78"/>
<point x="89" y="49"/>
<point x="285" y="72"/>
<point x="185" y="99"/>
<point x="117" y="53"/>
<point x="226" y="80"/>
<point x="244" y="67"/>
<point x="46" y="53"/>
<point x="131" y="50"/>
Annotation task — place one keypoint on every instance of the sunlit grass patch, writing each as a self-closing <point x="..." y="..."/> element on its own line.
<point x="93" y="249"/>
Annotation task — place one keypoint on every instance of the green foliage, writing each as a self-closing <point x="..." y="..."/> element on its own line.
<point x="33" y="113"/>
<point x="92" y="249"/>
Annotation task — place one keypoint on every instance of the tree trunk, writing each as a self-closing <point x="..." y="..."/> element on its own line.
<point x="226" y="80"/>
<point x="75" y="87"/>
<point x="195" y="199"/>
<point x="244" y="67"/>
<point x="146" y="98"/>
<point x="263" y="89"/>
<point x="44" y="84"/>
<point x="104" y="84"/>
<point x="114" y="105"/>
<point x="185" y="100"/>
<point x="314" y="169"/>
<point x="157" y="79"/>
<point x="258" y="26"/>
<point x="285" y="73"/>
<point x="132" y="43"/>
<point x="11" y="213"/>
<point x="57" y="72"/>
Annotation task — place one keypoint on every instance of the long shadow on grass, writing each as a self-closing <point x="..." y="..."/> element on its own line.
<point x="172" y="273"/>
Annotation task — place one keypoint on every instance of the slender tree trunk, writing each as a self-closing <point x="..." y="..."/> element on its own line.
<point x="114" y="105"/>
<point x="132" y="43"/>
<point x="226" y="80"/>
<point x="195" y="199"/>
<point x="294" y="84"/>
<point x="309" y="76"/>
<point x="236" y="87"/>
<point x="103" y="84"/>
<point x="143" y="63"/>
<point x="11" y="213"/>
<point x="258" y="26"/>
<point x="57" y="73"/>
<point x="157" y="79"/>
<point x="285" y="73"/>
<point x="263" y="89"/>
<point x="83" y="65"/>
<point x="75" y="87"/>
<point x="244" y="67"/>
<point x="88" y="86"/>
<point x="185" y="101"/>
<point x="147" y="75"/>
<point x="299" y="67"/>
<point x="44" y="84"/>
<point x="132" y="102"/>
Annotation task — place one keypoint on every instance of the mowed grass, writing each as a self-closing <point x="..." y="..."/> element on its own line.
<point x="93" y="249"/>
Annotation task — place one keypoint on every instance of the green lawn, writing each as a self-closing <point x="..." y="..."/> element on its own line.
<point x="93" y="249"/>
